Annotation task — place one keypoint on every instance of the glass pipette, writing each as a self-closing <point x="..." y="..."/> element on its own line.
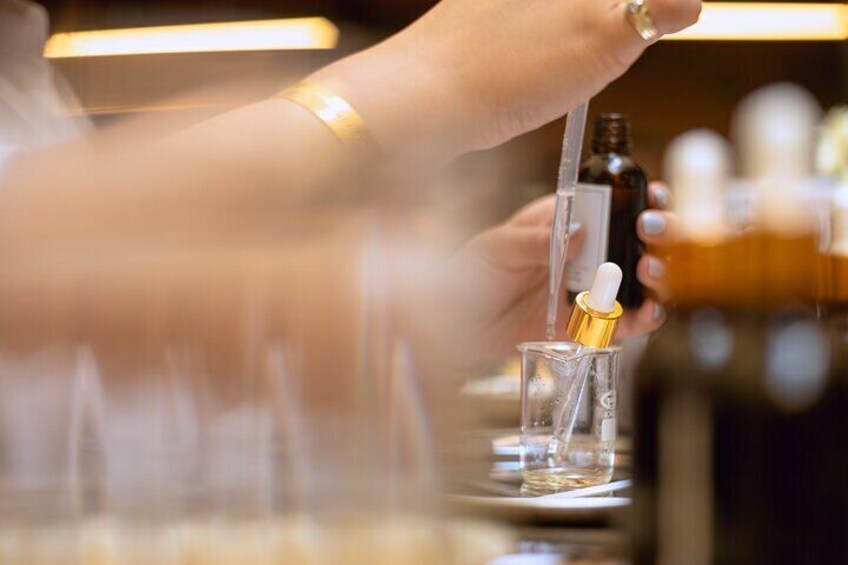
<point x="569" y="167"/>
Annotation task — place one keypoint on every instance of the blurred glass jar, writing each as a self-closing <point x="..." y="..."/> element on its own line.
<point x="568" y="416"/>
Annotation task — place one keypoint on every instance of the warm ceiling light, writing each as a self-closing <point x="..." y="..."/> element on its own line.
<point x="749" y="21"/>
<point x="264" y="35"/>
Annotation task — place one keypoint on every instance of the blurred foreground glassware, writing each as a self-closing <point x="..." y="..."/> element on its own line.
<point x="41" y="427"/>
<point x="552" y="390"/>
<point x="186" y="406"/>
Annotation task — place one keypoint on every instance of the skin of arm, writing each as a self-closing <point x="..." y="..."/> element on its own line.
<point x="468" y="75"/>
<point x="456" y="81"/>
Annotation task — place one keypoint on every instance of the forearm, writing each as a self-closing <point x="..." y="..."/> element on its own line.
<point x="471" y="75"/>
<point x="238" y="172"/>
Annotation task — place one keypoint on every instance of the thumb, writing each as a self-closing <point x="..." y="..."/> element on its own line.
<point x="516" y="247"/>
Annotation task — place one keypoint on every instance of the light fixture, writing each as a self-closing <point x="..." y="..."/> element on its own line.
<point x="262" y="35"/>
<point x="768" y="21"/>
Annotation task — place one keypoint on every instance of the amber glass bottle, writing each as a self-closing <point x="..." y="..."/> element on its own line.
<point x="612" y="165"/>
<point x="736" y="400"/>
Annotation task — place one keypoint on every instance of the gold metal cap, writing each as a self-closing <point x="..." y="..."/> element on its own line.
<point x="591" y="328"/>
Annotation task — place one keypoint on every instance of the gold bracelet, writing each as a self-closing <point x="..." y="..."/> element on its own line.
<point x="345" y="122"/>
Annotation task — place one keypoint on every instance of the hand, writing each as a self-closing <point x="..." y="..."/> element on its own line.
<point x="506" y="279"/>
<point x="656" y="229"/>
<point x="505" y="282"/>
<point x="473" y="74"/>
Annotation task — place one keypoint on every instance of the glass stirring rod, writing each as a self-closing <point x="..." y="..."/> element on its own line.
<point x="569" y="168"/>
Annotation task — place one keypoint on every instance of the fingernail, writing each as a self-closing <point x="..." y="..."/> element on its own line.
<point x="656" y="268"/>
<point x="659" y="312"/>
<point x="662" y="197"/>
<point x="653" y="223"/>
<point x="575" y="226"/>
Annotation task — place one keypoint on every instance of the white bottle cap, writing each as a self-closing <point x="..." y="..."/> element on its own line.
<point x="604" y="290"/>
<point x="775" y="133"/>
<point x="775" y="129"/>
<point x="697" y="167"/>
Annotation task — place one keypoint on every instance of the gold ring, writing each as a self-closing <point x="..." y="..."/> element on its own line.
<point x="640" y="19"/>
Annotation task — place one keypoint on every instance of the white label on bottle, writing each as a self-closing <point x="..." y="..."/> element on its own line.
<point x="609" y="429"/>
<point x="592" y="207"/>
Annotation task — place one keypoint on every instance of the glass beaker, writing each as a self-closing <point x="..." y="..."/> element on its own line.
<point x="568" y="416"/>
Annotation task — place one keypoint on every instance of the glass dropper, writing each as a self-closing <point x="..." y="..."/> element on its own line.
<point x="569" y="168"/>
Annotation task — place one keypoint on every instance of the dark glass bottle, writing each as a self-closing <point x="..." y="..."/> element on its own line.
<point x="612" y="165"/>
<point x="737" y="463"/>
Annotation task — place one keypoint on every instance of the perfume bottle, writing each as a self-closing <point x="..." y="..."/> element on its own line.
<point x="568" y="396"/>
<point x="615" y="188"/>
<point x="737" y="394"/>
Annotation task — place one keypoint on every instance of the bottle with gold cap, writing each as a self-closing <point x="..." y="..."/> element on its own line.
<point x="596" y="312"/>
<point x="568" y="398"/>
<point x="738" y="396"/>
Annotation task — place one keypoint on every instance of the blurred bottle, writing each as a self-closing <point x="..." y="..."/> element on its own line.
<point x="612" y="166"/>
<point x="737" y="394"/>
<point x="832" y="163"/>
<point x="833" y="281"/>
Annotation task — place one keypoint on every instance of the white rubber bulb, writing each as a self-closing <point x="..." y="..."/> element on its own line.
<point x="775" y="130"/>
<point x="605" y="288"/>
<point x="697" y="167"/>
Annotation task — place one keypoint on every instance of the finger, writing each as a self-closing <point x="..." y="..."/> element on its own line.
<point x="648" y="318"/>
<point x="516" y="247"/>
<point x="578" y="238"/>
<point x="538" y="213"/>
<point x="530" y="246"/>
<point x="651" y="272"/>
<point x="657" y="228"/>
<point x="674" y="15"/>
<point x="659" y="197"/>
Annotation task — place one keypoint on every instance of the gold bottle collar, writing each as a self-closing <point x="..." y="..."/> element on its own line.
<point x="591" y="328"/>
